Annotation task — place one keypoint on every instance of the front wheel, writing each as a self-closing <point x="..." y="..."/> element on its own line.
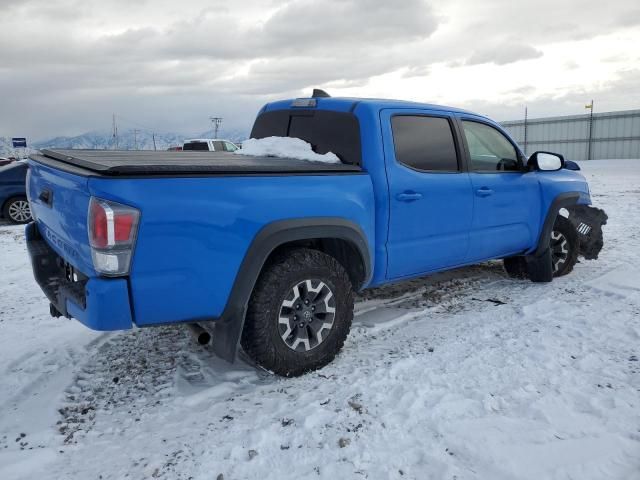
<point x="299" y="314"/>
<point x="564" y="246"/>
<point x="17" y="210"/>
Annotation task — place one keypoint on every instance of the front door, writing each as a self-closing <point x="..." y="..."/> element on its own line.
<point x="506" y="198"/>
<point x="430" y="199"/>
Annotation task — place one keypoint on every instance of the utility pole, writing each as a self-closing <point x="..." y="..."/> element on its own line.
<point x="135" y="138"/>
<point x="115" y="133"/>
<point x="525" y="129"/>
<point x="216" y="122"/>
<point x="590" y="107"/>
<point x="153" y="135"/>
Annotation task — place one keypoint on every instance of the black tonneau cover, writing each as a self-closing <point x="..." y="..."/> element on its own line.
<point x="139" y="162"/>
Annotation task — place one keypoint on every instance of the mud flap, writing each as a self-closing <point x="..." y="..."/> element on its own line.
<point x="540" y="267"/>
<point x="588" y="222"/>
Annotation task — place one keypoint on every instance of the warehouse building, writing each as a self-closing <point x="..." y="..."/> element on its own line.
<point x="581" y="137"/>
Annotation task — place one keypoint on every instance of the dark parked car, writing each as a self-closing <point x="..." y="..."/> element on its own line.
<point x="13" y="196"/>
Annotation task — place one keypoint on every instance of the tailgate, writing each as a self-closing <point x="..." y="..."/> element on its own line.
<point x="60" y="202"/>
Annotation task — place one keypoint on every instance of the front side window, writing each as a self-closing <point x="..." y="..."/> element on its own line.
<point x="424" y="143"/>
<point x="218" y="146"/>
<point x="490" y="151"/>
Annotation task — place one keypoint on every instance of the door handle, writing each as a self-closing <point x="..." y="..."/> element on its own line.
<point x="484" y="192"/>
<point x="409" y="196"/>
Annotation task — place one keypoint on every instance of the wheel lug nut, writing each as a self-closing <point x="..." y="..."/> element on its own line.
<point x="295" y="317"/>
<point x="313" y="308"/>
<point x="306" y="302"/>
<point x="301" y="325"/>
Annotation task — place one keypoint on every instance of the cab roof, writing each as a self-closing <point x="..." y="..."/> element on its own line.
<point x="347" y="104"/>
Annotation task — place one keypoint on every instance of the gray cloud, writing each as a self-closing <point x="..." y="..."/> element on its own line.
<point x="621" y="93"/>
<point x="503" y="54"/>
<point x="66" y="65"/>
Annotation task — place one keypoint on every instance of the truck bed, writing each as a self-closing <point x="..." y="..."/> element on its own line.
<point x="145" y="163"/>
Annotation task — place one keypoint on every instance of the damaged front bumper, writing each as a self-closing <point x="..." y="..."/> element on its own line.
<point x="588" y="222"/>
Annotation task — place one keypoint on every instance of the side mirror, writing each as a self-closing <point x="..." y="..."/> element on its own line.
<point x="569" y="165"/>
<point x="546" y="161"/>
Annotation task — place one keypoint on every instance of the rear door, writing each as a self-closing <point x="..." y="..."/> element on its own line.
<point x="429" y="192"/>
<point x="506" y="197"/>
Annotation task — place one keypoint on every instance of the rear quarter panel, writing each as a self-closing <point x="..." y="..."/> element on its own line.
<point x="194" y="232"/>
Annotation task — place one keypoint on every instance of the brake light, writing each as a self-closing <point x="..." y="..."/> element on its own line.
<point x="97" y="225"/>
<point x="112" y="233"/>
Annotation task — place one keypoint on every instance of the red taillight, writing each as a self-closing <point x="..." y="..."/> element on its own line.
<point x="98" y="225"/>
<point x="112" y="233"/>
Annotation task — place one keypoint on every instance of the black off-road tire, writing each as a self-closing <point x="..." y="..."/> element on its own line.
<point x="565" y="246"/>
<point x="17" y="210"/>
<point x="262" y="336"/>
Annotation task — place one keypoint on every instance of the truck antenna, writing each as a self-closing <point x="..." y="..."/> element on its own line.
<point x="318" y="93"/>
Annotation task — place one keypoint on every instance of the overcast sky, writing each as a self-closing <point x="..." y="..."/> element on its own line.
<point x="167" y="65"/>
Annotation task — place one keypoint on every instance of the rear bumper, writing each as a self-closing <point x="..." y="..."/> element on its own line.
<point x="99" y="303"/>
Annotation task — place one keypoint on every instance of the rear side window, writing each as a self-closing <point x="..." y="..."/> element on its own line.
<point x="424" y="143"/>
<point x="326" y="131"/>
<point x="196" y="146"/>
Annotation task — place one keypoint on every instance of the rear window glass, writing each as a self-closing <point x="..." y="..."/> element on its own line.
<point x="424" y="143"/>
<point x="196" y="146"/>
<point x="326" y="131"/>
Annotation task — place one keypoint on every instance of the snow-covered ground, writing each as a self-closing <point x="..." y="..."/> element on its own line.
<point x="466" y="375"/>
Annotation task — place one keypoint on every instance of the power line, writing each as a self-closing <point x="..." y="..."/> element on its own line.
<point x="115" y="133"/>
<point x="216" y="122"/>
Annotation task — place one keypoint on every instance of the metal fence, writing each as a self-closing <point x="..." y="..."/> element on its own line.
<point x="581" y="137"/>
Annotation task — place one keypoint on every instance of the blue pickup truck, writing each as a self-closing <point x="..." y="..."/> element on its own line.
<point x="266" y="253"/>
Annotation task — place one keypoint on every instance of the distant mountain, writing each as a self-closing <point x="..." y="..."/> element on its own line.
<point x="132" y="140"/>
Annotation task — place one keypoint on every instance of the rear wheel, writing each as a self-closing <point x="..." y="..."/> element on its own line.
<point x="299" y="314"/>
<point x="17" y="210"/>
